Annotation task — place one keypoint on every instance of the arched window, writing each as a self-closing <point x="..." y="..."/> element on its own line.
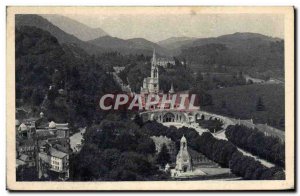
<point x="169" y="117"/>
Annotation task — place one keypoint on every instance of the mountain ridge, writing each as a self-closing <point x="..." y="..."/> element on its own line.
<point x="127" y="46"/>
<point x="60" y="35"/>
<point x="73" y="27"/>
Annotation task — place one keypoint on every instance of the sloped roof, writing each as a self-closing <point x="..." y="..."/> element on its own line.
<point x="17" y="122"/>
<point x="44" y="157"/>
<point x="57" y="153"/>
<point x="28" y="142"/>
<point x="183" y="139"/>
<point x="41" y="133"/>
<point x="61" y="148"/>
<point x="24" y="157"/>
<point x="20" y="162"/>
<point x="22" y="127"/>
<point x="195" y="154"/>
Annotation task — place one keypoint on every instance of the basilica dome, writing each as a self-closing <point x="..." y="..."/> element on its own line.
<point x="52" y="125"/>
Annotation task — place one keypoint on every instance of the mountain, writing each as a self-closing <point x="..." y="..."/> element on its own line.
<point x="60" y="35"/>
<point x="42" y="61"/>
<point x="73" y="27"/>
<point x="96" y="46"/>
<point x="175" y="42"/>
<point x="148" y="45"/>
<point x="235" y="40"/>
<point x="248" y="52"/>
<point x="129" y="46"/>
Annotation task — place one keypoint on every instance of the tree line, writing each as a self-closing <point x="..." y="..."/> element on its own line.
<point x="227" y="155"/>
<point x="254" y="141"/>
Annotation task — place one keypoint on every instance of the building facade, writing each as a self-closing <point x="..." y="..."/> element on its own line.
<point x="183" y="159"/>
<point x="43" y="148"/>
<point x="151" y="84"/>
<point x="165" y="62"/>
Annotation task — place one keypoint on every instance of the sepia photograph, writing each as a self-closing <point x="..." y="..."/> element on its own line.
<point x="150" y="98"/>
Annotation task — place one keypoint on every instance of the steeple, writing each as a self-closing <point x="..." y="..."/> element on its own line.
<point x="151" y="84"/>
<point x="153" y="58"/>
<point x="171" y="91"/>
<point x="183" y="159"/>
<point x="183" y="144"/>
<point x="154" y="68"/>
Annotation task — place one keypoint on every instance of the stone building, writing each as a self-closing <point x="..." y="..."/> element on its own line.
<point x="183" y="159"/>
<point x="44" y="147"/>
<point x="191" y="162"/>
<point x="26" y="131"/>
<point x="151" y="84"/>
<point x="26" y="151"/>
<point x="54" y="150"/>
<point x="53" y="163"/>
<point x="165" y="62"/>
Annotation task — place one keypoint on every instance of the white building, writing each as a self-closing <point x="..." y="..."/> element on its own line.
<point x="151" y="84"/>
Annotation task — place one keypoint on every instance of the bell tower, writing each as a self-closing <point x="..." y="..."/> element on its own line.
<point x="183" y="159"/>
<point x="154" y="79"/>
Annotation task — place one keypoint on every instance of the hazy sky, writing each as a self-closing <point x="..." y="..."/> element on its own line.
<point x="162" y="26"/>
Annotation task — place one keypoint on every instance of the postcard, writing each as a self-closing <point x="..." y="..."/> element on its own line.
<point x="150" y="98"/>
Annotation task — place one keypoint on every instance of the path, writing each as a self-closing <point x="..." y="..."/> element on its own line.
<point x="76" y="140"/>
<point x="118" y="80"/>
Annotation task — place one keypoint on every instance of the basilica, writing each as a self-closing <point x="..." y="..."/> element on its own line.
<point x="151" y="84"/>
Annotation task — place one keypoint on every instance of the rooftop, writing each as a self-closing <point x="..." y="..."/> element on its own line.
<point x="20" y="162"/>
<point x="57" y="153"/>
<point x="24" y="157"/>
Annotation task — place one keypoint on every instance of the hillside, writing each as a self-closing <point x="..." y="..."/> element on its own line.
<point x="60" y="35"/>
<point x="41" y="62"/>
<point x="240" y="102"/>
<point x="73" y="27"/>
<point x="248" y="52"/>
<point x="175" y="43"/>
<point x="130" y="46"/>
<point x="235" y="40"/>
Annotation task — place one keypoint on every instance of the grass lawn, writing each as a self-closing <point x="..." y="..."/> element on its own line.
<point x="240" y="102"/>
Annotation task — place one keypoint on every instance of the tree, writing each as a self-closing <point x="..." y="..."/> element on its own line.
<point x="163" y="156"/>
<point x="199" y="77"/>
<point x="37" y="97"/>
<point x="223" y="104"/>
<point x="146" y="146"/>
<point x="138" y="120"/>
<point x="282" y="122"/>
<point x="260" y="105"/>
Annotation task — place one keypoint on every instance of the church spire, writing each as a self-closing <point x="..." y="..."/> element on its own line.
<point x="154" y="58"/>
<point x="171" y="91"/>
<point x="154" y="69"/>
